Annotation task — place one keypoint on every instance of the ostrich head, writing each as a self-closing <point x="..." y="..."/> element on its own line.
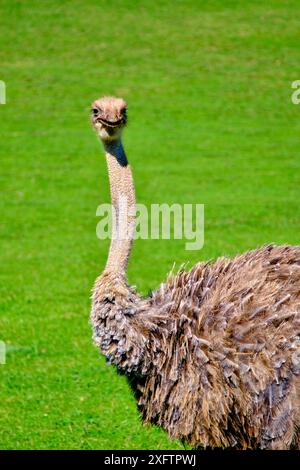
<point x="109" y="117"/>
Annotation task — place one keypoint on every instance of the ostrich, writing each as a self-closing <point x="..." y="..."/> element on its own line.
<point x="213" y="355"/>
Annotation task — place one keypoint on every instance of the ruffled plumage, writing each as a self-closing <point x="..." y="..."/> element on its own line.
<point x="215" y="351"/>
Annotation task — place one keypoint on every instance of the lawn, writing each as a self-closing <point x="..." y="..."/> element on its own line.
<point x="210" y="121"/>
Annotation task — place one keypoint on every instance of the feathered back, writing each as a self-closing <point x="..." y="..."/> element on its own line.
<point x="216" y="350"/>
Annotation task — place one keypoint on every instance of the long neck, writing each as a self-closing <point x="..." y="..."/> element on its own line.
<point x="123" y="205"/>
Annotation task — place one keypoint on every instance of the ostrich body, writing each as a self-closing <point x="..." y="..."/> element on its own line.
<point x="214" y="354"/>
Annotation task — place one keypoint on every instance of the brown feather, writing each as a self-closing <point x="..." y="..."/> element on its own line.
<point x="215" y="351"/>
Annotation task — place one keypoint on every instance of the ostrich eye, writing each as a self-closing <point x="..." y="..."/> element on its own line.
<point x="95" y="111"/>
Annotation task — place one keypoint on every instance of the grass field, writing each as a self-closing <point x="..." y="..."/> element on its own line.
<point x="210" y="121"/>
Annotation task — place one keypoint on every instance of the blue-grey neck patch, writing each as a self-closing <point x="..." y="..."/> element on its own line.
<point x="116" y="149"/>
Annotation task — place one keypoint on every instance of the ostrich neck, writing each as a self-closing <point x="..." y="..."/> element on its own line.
<point x="123" y="206"/>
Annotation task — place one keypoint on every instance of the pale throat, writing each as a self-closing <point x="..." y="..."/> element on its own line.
<point x="123" y="206"/>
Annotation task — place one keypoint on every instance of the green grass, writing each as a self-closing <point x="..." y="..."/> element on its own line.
<point x="211" y="121"/>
